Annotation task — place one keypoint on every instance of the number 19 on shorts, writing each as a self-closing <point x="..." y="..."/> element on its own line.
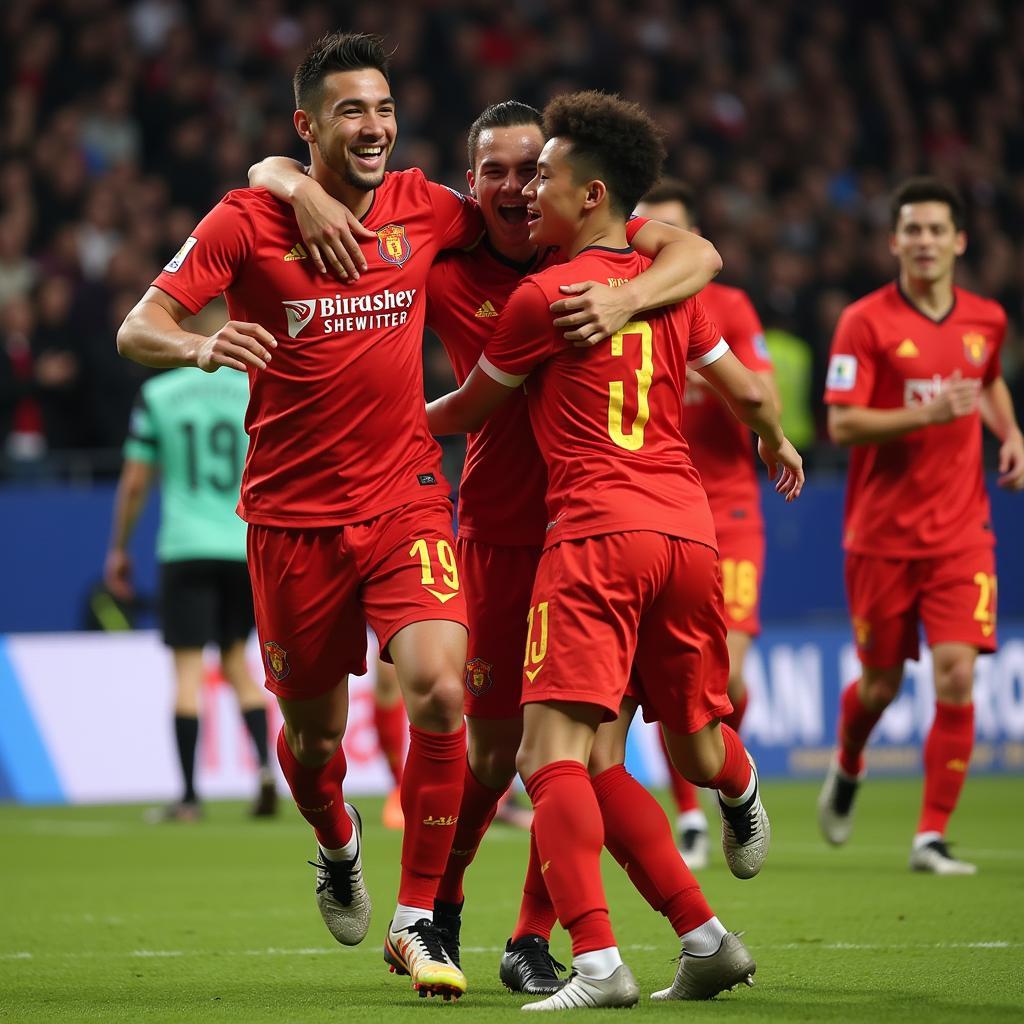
<point x="437" y="558"/>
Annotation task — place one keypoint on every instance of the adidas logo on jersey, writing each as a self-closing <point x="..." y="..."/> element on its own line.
<point x="907" y="349"/>
<point x="487" y="309"/>
<point x="296" y="252"/>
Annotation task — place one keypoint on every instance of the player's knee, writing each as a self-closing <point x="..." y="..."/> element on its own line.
<point x="436" y="703"/>
<point x="312" y="745"/>
<point x="879" y="689"/>
<point x="494" y="767"/>
<point x="954" y="681"/>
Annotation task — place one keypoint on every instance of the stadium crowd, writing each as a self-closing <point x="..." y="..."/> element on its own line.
<point x="124" y="121"/>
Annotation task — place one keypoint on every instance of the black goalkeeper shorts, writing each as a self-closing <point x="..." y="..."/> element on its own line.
<point x="205" y="601"/>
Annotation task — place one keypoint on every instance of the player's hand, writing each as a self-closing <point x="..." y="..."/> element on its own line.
<point x="958" y="397"/>
<point x="238" y="345"/>
<point x="331" y="233"/>
<point x="791" y="478"/>
<point x="1011" y="463"/>
<point x="117" y="575"/>
<point x="592" y="313"/>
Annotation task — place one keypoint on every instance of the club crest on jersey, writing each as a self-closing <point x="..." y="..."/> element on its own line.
<point x="975" y="348"/>
<point x="299" y="313"/>
<point x="392" y="244"/>
<point x="478" y="676"/>
<point x="277" y="660"/>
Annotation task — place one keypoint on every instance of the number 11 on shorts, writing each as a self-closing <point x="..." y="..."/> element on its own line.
<point x="445" y="566"/>
<point x="536" y="646"/>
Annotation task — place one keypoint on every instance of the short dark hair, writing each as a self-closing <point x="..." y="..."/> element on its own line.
<point x="337" y="51"/>
<point x="672" y="190"/>
<point x="612" y="139"/>
<point x="507" y="114"/>
<point x="927" y="190"/>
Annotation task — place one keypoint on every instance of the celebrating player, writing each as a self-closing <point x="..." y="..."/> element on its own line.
<point x="501" y="498"/>
<point x="188" y="426"/>
<point x="914" y="371"/>
<point x="721" y="450"/>
<point x="628" y="537"/>
<point x="348" y="514"/>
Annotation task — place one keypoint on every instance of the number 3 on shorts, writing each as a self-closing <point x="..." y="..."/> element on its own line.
<point x="445" y="565"/>
<point x="985" y="610"/>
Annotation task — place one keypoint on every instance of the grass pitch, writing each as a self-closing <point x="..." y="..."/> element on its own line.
<point x="105" y="918"/>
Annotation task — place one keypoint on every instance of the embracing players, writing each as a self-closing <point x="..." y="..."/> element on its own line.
<point x="914" y="373"/>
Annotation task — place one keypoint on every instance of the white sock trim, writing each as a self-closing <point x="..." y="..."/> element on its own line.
<point x="692" y="820"/>
<point x="705" y="939"/>
<point x="406" y="916"/>
<point x="738" y="801"/>
<point x="922" y="839"/>
<point x="598" y="964"/>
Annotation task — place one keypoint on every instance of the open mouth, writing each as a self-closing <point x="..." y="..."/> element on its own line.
<point x="532" y="214"/>
<point x="512" y="214"/>
<point x="369" y="157"/>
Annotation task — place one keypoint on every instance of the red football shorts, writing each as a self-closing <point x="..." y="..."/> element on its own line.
<point x="741" y="553"/>
<point x="953" y="596"/>
<point x="315" y="590"/>
<point x="639" y="600"/>
<point x="498" y="582"/>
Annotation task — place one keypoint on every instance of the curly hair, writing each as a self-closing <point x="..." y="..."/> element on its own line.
<point x="507" y="114"/>
<point x="927" y="190"/>
<point x="612" y="139"/>
<point x="337" y="51"/>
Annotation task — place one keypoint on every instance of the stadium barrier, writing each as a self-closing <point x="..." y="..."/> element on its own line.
<point x="86" y="717"/>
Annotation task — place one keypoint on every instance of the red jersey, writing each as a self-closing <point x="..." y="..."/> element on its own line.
<point x="719" y="444"/>
<point x="608" y="419"/>
<point x="501" y="497"/>
<point x="336" y="422"/>
<point x="921" y="494"/>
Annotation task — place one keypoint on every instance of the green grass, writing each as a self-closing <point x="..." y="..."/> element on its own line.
<point x="105" y="918"/>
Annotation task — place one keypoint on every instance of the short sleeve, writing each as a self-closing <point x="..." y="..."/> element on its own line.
<point x="141" y="443"/>
<point x="851" y="365"/>
<point x="523" y="339"/>
<point x="457" y="218"/>
<point x="633" y="225"/>
<point x="745" y="335"/>
<point x="206" y="265"/>
<point x="994" y="370"/>
<point x="706" y="342"/>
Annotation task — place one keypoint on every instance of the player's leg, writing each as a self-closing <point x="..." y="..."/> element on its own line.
<point x="882" y="595"/>
<point x="188" y="681"/>
<point x="236" y="623"/>
<point x="313" y="635"/>
<point x="639" y="837"/>
<point x="958" y="608"/>
<point x="392" y="727"/>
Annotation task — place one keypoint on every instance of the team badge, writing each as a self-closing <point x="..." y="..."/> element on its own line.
<point x="862" y="632"/>
<point x="392" y="244"/>
<point x="975" y="348"/>
<point x="478" y="676"/>
<point x="277" y="660"/>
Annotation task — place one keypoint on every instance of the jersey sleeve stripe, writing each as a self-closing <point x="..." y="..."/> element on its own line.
<point x="710" y="357"/>
<point x="510" y="380"/>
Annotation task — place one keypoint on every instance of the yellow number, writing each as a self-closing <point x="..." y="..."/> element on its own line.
<point x="634" y="440"/>
<point x="985" y="610"/>
<point x="536" y="650"/>
<point x="446" y="558"/>
<point x="739" y="586"/>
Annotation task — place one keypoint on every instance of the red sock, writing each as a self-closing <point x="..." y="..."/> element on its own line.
<point x="947" y="752"/>
<point x="392" y="731"/>
<point x="639" y="837"/>
<point x="536" y="912"/>
<point x="476" y="812"/>
<point x="684" y="793"/>
<point x="318" y="794"/>
<point x="431" y="793"/>
<point x="570" y="834"/>
<point x="735" y="717"/>
<point x="855" y="725"/>
<point x="734" y="777"/>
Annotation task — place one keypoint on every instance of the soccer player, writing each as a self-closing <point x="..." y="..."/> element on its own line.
<point x="349" y="518"/>
<point x="187" y="427"/>
<point x="501" y="499"/>
<point x="629" y="535"/>
<point x="914" y="371"/>
<point x="721" y="450"/>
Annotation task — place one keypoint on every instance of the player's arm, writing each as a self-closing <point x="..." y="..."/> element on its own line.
<point x="329" y="229"/>
<point x="683" y="264"/>
<point x="751" y="403"/>
<point x="132" y="491"/>
<point x="996" y="407"/>
<point x="465" y="411"/>
<point x="859" y="424"/>
<point x="152" y="335"/>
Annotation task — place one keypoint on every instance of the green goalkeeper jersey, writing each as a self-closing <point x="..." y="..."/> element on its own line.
<point x="190" y="425"/>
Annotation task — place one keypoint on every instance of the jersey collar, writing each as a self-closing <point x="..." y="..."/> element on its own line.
<point x="920" y="312"/>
